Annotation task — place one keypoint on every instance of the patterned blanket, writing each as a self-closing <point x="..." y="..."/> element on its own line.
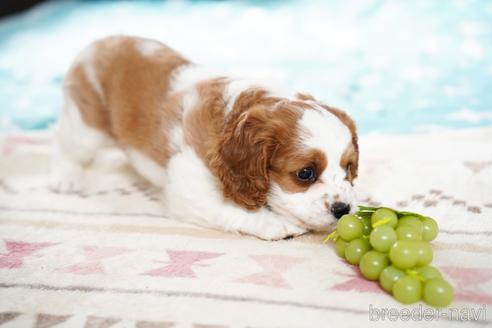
<point x="109" y="256"/>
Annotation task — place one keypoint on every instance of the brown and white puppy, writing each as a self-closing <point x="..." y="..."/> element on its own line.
<point x="228" y="153"/>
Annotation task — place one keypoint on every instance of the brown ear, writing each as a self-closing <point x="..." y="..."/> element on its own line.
<point x="242" y="158"/>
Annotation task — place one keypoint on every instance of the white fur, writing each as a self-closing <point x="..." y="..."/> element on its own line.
<point x="149" y="47"/>
<point x="234" y="89"/>
<point x="75" y="145"/>
<point x="324" y="131"/>
<point x="238" y="85"/>
<point x="147" y="167"/>
<point x="86" y="58"/>
<point x="192" y="195"/>
<point x="190" y="100"/>
<point x="186" y="77"/>
<point x="177" y="138"/>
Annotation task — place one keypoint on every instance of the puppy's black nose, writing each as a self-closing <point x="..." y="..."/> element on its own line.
<point x="339" y="209"/>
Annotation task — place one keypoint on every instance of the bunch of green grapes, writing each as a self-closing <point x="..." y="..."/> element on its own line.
<point x="393" y="247"/>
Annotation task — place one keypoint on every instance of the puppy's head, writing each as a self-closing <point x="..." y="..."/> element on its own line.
<point x="299" y="158"/>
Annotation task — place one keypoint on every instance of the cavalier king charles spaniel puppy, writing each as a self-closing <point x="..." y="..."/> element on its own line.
<point x="228" y="153"/>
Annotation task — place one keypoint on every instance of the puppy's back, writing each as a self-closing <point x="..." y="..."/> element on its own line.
<point x="121" y="86"/>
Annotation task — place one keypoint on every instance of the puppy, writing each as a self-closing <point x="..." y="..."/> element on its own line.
<point x="228" y="153"/>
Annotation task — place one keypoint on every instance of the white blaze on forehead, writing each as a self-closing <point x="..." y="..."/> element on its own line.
<point x="324" y="131"/>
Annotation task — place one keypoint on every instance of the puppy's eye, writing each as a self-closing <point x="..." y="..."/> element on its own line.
<point x="306" y="174"/>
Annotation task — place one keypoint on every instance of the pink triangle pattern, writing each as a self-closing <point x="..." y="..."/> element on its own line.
<point x="17" y="251"/>
<point x="181" y="264"/>
<point x="469" y="283"/>
<point x="356" y="282"/>
<point x="274" y="266"/>
<point x="12" y="143"/>
<point x="93" y="260"/>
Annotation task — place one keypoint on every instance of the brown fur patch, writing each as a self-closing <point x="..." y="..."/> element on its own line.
<point x="136" y="107"/>
<point x="204" y="123"/>
<point x="255" y="129"/>
<point x="349" y="161"/>
<point x="305" y="97"/>
<point x="86" y="98"/>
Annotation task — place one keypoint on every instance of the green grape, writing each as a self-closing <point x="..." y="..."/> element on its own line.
<point x="382" y="214"/>
<point x="430" y="229"/>
<point x="438" y="292"/>
<point x="428" y="272"/>
<point x="408" y="233"/>
<point x="372" y="263"/>
<point x="389" y="276"/>
<point x="367" y="228"/>
<point x="425" y="253"/>
<point x="412" y="221"/>
<point x="382" y="238"/>
<point x="349" y="227"/>
<point x="355" y="249"/>
<point x="404" y="254"/>
<point x="407" y="290"/>
<point x="340" y="246"/>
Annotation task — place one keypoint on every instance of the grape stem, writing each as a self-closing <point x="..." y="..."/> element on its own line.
<point x="333" y="235"/>
<point x="363" y="208"/>
<point x="415" y="274"/>
<point x="372" y="209"/>
<point x="380" y="223"/>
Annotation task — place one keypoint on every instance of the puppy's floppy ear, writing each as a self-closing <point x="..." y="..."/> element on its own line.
<point x="242" y="157"/>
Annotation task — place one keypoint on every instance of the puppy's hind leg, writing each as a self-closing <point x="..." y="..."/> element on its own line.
<point x="75" y="145"/>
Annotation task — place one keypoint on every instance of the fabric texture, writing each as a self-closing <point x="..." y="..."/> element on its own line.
<point x="108" y="256"/>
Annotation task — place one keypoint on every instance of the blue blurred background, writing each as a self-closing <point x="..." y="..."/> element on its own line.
<point x="396" y="66"/>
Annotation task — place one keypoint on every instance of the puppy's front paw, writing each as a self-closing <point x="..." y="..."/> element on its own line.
<point x="66" y="182"/>
<point x="276" y="230"/>
<point x="293" y="230"/>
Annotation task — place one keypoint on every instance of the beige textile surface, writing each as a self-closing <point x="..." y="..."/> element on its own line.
<point x="107" y="257"/>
